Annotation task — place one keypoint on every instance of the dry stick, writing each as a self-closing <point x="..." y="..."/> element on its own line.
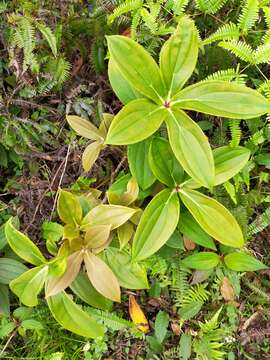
<point x="7" y="343"/>
<point x="60" y="181"/>
<point x="114" y="173"/>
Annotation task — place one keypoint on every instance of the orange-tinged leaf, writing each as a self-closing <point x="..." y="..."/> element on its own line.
<point x="189" y="244"/>
<point x="137" y="315"/>
<point x="57" y="284"/>
<point x="97" y="236"/>
<point x="226" y="290"/>
<point x="102" y="277"/>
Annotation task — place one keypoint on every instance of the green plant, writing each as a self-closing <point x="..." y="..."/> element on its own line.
<point x="86" y="234"/>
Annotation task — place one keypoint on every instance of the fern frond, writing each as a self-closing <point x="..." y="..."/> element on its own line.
<point x="149" y="20"/>
<point x="235" y="130"/>
<point x="179" y="6"/>
<point x="49" y="37"/>
<point x="134" y="24"/>
<point x="196" y="293"/>
<point x="225" y="32"/>
<point x="240" y="49"/>
<point x="249" y="15"/>
<point x="210" y="6"/>
<point x="262" y="54"/>
<point x="24" y="38"/>
<point x="210" y="325"/>
<point x="262" y="222"/>
<point x="127" y="6"/>
<point x="59" y="68"/>
<point x="180" y="283"/>
<point x="266" y="11"/>
<point x="110" y="320"/>
<point x="231" y="75"/>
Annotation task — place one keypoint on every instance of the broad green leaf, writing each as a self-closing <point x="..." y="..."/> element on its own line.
<point x="179" y="54"/>
<point x="4" y="300"/>
<point x="102" y="277"/>
<point x="164" y="164"/>
<point x="135" y="122"/>
<point x="84" y="127"/>
<point x="222" y="98"/>
<point x="161" y="324"/>
<point x="29" y="284"/>
<point x="69" y="208"/>
<point x="213" y="217"/>
<point x="114" y="215"/>
<point x="125" y="233"/>
<point x="228" y="162"/>
<point x="190" y="310"/>
<point x="191" y="147"/>
<point x="56" y="284"/>
<point x="91" y="154"/>
<point x="190" y="228"/>
<point x="3" y="240"/>
<point x="239" y="261"/>
<point x="52" y="232"/>
<point x="176" y="241"/>
<point x="22" y="245"/>
<point x="202" y="261"/>
<point x="157" y="224"/>
<point x="69" y="315"/>
<point x="139" y="164"/>
<point x="185" y="346"/>
<point x="82" y="287"/>
<point x="129" y="273"/>
<point x="97" y="236"/>
<point x="137" y="66"/>
<point x="10" y="269"/>
<point x="122" y="88"/>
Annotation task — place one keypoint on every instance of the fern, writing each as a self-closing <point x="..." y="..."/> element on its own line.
<point x="231" y="75"/>
<point x="24" y="38"/>
<point x="249" y="15"/>
<point x="235" y="130"/>
<point x="225" y="32"/>
<point x="149" y="20"/>
<point x="59" y="68"/>
<point x="262" y="54"/>
<point x="134" y="24"/>
<point x="240" y="49"/>
<point x="179" y="6"/>
<point x="207" y="347"/>
<point x="262" y="222"/>
<point x="110" y="320"/>
<point x="196" y="293"/>
<point x="127" y="6"/>
<point x="49" y="36"/>
<point x="180" y="283"/>
<point x="210" y="6"/>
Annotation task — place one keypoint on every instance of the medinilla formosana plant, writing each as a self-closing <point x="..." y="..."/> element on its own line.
<point x="103" y="246"/>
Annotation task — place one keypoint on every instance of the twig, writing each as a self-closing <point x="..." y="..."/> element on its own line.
<point x="7" y="343"/>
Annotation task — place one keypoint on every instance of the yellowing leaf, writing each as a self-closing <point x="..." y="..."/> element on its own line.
<point x="69" y="208"/>
<point x="226" y="290"/>
<point x="125" y="233"/>
<point x="84" y="127"/>
<point x="105" y="123"/>
<point x="57" y="284"/>
<point x="22" y="245"/>
<point x="137" y="315"/>
<point x="97" y="236"/>
<point x="91" y="154"/>
<point x="102" y="277"/>
<point x="115" y="215"/>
